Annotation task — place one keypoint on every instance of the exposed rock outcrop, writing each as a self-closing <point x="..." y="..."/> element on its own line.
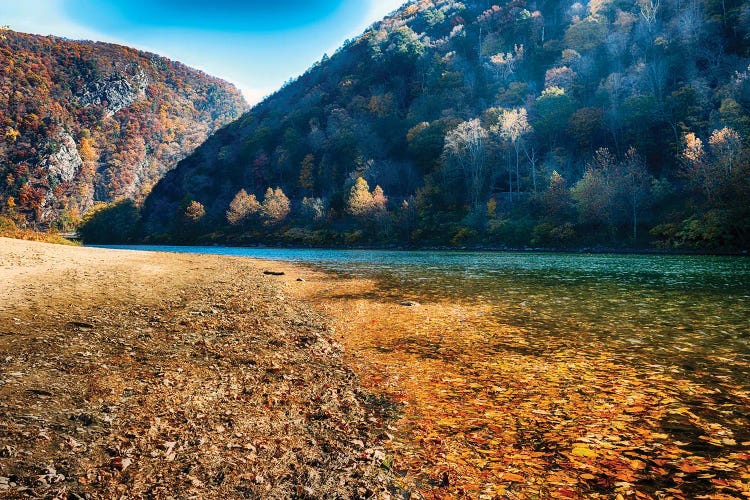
<point x="64" y="161"/>
<point x="115" y="92"/>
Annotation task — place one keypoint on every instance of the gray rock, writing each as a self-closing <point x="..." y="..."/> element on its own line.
<point x="115" y="92"/>
<point x="64" y="162"/>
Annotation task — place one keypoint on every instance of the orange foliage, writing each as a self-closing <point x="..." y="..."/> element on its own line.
<point x="47" y="81"/>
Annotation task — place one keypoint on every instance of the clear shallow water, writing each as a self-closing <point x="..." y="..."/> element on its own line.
<point x="689" y="311"/>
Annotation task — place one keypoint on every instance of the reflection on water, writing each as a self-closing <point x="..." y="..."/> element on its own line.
<point x="686" y="310"/>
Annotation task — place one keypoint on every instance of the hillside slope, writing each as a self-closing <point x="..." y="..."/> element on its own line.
<point x="83" y="122"/>
<point x="546" y="123"/>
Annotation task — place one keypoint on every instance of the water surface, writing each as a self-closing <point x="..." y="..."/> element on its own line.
<point x="691" y="311"/>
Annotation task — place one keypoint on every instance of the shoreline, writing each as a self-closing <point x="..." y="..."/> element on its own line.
<point x="450" y="397"/>
<point x="161" y="374"/>
<point x="468" y="249"/>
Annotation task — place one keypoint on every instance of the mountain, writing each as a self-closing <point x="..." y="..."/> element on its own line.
<point x="546" y="123"/>
<point x="82" y="122"/>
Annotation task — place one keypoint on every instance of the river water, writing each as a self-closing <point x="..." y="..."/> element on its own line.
<point x="583" y="374"/>
<point x="690" y="308"/>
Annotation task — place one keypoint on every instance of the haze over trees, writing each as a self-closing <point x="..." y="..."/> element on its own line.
<point x="508" y="123"/>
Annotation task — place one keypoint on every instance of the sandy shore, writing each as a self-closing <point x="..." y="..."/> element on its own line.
<point x="160" y="375"/>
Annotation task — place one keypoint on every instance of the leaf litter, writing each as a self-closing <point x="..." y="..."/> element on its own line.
<point x="112" y="386"/>
<point x="493" y="409"/>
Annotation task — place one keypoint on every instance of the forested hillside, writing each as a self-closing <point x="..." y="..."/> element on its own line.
<point x="82" y="122"/>
<point x="506" y="123"/>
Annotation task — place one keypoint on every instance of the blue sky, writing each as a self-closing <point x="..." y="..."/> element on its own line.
<point x="257" y="45"/>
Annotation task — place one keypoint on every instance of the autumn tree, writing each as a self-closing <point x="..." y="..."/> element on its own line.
<point x="363" y="203"/>
<point x="306" y="179"/>
<point x="714" y="171"/>
<point x="562" y="77"/>
<point x="726" y="148"/>
<point x="359" y="203"/>
<point x="466" y="144"/>
<point x="379" y="202"/>
<point x="697" y="167"/>
<point x="505" y="63"/>
<point x="195" y="212"/>
<point x="275" y="207"/>
<point x="242" y="207"/>
<point x="586" y="34"/>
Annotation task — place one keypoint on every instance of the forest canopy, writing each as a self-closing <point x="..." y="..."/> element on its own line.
<point x="519" y="123"/>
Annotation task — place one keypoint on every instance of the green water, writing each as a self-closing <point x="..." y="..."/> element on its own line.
<point x="691" y="312"/>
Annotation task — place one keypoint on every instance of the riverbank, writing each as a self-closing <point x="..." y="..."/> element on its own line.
<point x="162" y="375"/>
<point x="514" y="404"/>
<point x="493" y="385"/>
<point x="9" y="229"/>
<point x="584" y="249"/>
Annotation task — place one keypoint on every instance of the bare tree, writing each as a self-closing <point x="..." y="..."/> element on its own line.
<point x="466" y="144"/>
<point x="650" y="12"/>
<point x="512" y="126"/>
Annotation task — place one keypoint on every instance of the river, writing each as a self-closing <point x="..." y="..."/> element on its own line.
<point x="566" y="374"/>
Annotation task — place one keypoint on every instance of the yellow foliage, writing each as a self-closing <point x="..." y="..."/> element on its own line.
<point x="12" y="134"/>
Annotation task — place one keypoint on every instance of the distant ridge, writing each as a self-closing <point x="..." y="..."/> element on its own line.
<point x="89" y="121"/>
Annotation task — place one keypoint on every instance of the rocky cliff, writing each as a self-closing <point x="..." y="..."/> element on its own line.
<point x="82" y="122"/>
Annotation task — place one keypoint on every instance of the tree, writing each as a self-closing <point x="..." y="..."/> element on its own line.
<point x="363" y="203"/>
<point x="466" y="144"/>
<point x="242" y="207"/>
<point x="713" y="172"/>
<point x="585" y="127"/>
<point x="586" y="34"/>
<point x="195" y="211"/>
<point x="505" y="63"/>
<point x="556" y="200"/>
<point x="275" y="207"/>
<point x="595" y="192"/>
<point x="113" y="223"/>
<point x="696" y="166"/>
<point x="313" y="208"/>
<point x="637" y="185"/>
<point x="726" y="147"/>
<point x="359" y="203"/>
<point x="562" y="77"/>
<point x="379" y="202"/>
<point x="513" y="125"/>
<point x="306" y="178"/>
<point x="551" y="113"/>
